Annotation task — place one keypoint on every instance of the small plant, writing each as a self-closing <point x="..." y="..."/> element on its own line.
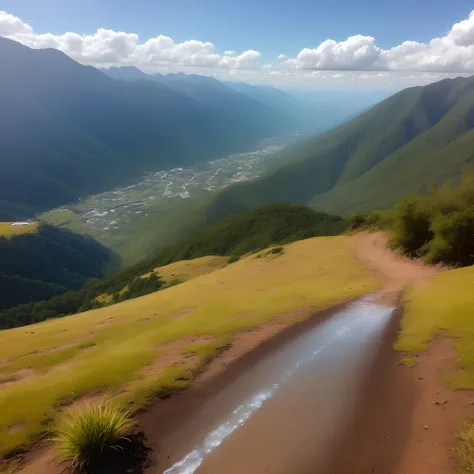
<point x="174" y="282"/>
<point x="409" y="361"/>
<point x="88" y="432"/>
<point x="233" y="258"/>
<point x="277" y="250"/>
<point x="465" y="450"/>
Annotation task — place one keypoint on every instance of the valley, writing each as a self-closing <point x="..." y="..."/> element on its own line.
<point x="114" y="217"/>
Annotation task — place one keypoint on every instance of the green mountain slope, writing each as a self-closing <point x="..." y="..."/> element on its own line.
<point x="68" y="130"/>
<point x="35" y="266"/>
<point x="410" y="141"/>
<point x="253" y="230"/>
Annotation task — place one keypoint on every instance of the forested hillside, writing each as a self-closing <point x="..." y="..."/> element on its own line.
<point x="415" y="139"/>
<point x="67" y="130"/>
<point x="37" y="265"/>
<point x="253" y="230"/>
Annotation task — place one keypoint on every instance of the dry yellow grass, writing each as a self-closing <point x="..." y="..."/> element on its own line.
<point x="445" y="304"/>
<point x="7" y="230"/>
<point x="110" y="348"/>
<point x="179" y="271"/>
<point x="189" y="269"/>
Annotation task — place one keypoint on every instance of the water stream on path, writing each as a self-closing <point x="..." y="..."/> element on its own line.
<point x="294" y="403"/>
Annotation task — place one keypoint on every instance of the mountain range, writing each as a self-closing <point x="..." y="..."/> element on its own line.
<point x="415" y="139"/>
<point x="67" y="130"/>
<point x="223" y="96"/>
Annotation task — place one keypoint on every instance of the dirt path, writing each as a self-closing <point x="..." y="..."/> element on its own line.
<point x="423" y="441"/>
<point x="396" y="272"/>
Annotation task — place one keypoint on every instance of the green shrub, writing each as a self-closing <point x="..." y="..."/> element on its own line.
<point x="88" y="432"/>
<point x="453" y="241"/>
<point x="233" y="258"/>
<point x="357" y="220"/>
<point x="379" y="220"/>
<point x="141" y="287"/>
<point x="412" y="227"/>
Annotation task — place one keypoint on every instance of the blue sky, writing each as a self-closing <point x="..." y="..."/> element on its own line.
<point x="269" y="26"/>
<point x="370" y="37"/>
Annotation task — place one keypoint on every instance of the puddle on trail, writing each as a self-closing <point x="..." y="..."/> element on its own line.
<point x="293" y="403"/>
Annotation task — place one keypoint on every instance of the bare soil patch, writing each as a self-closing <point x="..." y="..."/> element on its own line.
<point x="18" y="376"/>
<point x="438" y="413"/>
<point x="395" y="271"/>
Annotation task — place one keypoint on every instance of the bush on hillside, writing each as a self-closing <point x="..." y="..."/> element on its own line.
<point x="374" y="220"/>
<point x="141" y="287"/>
<point x="453" y="240"/>
<point x="412" y="226"/>
<point x="357" y="220"/>
<point x="89" y="432"/>
<point x="378" y="220"/>
<point x="438" y="226"/>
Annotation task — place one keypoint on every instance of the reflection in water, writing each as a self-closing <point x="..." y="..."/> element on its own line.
<point x="342" y="336"/>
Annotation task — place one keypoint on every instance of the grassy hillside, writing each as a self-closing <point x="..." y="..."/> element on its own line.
<point x="421" y="136"/>
<point x="7" y="230"/>
<point x="445" y="304"/>
<point x="113" y="349"/>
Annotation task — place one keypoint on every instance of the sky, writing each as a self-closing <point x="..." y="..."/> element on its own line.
<point x="294" y="44"/>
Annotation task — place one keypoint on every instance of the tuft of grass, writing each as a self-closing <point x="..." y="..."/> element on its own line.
<point x="465" y="450"/>
<point x="276" y="250"/>
<point x="174" y="282"/>
<point x="409" y="361"/>
<point x="89" y="431"/>
<point x="208" y="350"/>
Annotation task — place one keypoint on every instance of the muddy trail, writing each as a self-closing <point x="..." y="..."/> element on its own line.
<point x="296" y="402"/>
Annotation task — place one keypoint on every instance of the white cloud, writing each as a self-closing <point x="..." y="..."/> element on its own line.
<point x="453" y="52"/>
<point x="355" y="61"/>
<point x="357" y="52"/>
<point x="11" y="25"/>
<point x="115" y="48"/>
